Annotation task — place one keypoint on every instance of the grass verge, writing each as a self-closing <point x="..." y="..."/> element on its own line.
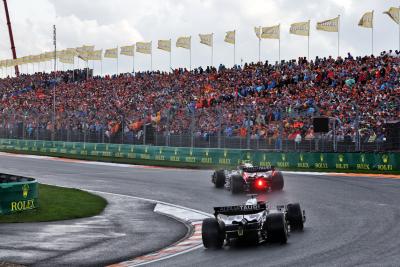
<point x="59" y="203"/>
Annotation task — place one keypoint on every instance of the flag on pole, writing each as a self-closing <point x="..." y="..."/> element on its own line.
<point x="184" y="42"/>
<point x="42" y="57"/>
<point x="230" y="37"/>
<point x="66" y="59"/>
<point x="36" y="58"/>
<point x="25" y="59"/>
<point x="111" y="53"/>
<point x="14" y="62"/>
<point x="60" y="53"/>
<point x="82" y="51"/>
<point x="96" y="55"/>
<point x="330" y="25"/>
<point x="300" y="28"/>
<point x="32" y="59"/>
<point x="49" y="56"/>
<point x="393" y="13"/>
<point x="84" y="55"/>
<point x="128" y="50"/>
<point x="143" y="47"/>
<point x="206" y="39"/>
<point x="366" y="20"/>
<point x="164" y="45"/>
<point x="88" y="48"/>
<point x="272" y="32"/>
<point x="71" y="52"/>
<point x="9" y="62"/>
<point x="257" y="30"/>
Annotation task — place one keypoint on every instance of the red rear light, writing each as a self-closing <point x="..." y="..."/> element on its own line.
<point x="260" y="183"/>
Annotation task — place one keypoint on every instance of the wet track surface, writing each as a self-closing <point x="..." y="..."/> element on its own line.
<point x="350" y="220"/>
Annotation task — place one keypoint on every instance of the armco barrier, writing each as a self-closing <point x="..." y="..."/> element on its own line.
<point x="203" y="157"/>
<point x="17" y="193"/>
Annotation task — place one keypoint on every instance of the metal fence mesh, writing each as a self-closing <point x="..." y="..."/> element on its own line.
<point x="206" y="128"/>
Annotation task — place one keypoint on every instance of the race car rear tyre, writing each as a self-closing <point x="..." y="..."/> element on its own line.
<point x="295" y="216"/>
<point x="236" y="184"/>
<point x="276" y="228"/>
<point x="277" y="181"/>
<point x="213" y="233"/>
<point x="219" y="178"/>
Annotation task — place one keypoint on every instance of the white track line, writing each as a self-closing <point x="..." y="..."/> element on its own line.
<point x="187" y="215"/>
<point x="193" y="218"/>
<point x="123" y="165"/>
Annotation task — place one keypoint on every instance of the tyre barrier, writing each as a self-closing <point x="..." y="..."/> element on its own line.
<point x="17" y="193"/>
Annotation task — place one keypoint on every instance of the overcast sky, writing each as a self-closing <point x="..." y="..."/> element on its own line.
<point x="107" y="24"/>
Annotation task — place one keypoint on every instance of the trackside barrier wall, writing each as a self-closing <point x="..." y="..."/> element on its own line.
<point x="17" y="194"/>
<point x="203" y="157"/>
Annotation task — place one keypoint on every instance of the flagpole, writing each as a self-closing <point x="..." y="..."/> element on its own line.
<point x="133" y="63"/>
<point x="234" y="50"/>
<point x="338" y="37"/>
<point x="190" y="55"/>
<point x="372" y="36"/>
<point x="101" y="66"/>
<point x="398" y="22"/>
<point x="259" y="44"/>
<point x="212" y="48"/>
<point x="308" y="41"/>
<point x="170" y="55"/>
<point x="279" y="50"/>
<point x="117" y="60"/>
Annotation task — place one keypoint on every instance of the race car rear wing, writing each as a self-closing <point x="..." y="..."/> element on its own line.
<point x="240" y="209"/>
<point x="258" y="169"/>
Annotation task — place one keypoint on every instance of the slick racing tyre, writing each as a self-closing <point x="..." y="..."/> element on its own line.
<point x="213" y="233"/>
<point x="276" y="228"/>
<point x="277" y="181"/>
<point x="295" y="216"/>
<point x="236" y="184"/>
<point x="219" y="178"/>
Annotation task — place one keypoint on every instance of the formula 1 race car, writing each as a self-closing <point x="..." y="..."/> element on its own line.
<point x="253" y="222"/>
<point x="248" y="178"/>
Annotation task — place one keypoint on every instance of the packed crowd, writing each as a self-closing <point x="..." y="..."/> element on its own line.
<point x="256" y="100"/>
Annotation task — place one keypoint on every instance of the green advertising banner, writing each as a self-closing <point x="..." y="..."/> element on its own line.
<point x="203" y="157"/>
<point x="17" y="194"/>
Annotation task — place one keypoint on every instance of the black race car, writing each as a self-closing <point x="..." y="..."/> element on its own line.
<point x="253" y="222"/>
<point x="248" y="178"/>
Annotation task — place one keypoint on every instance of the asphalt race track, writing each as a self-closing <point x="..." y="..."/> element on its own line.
<point x="350" y="220"/>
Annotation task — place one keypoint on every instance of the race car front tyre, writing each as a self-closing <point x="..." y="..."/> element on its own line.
<point x="277" y="181"/>
<point x="213" y="233"/>
<point x="236" y="184"/>
<point x="219" y="178"/>
<point x="295" y="216"/>
<point x="276" y="228"/>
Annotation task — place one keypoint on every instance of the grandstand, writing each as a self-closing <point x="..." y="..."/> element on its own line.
<point x="257" y="105"/>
